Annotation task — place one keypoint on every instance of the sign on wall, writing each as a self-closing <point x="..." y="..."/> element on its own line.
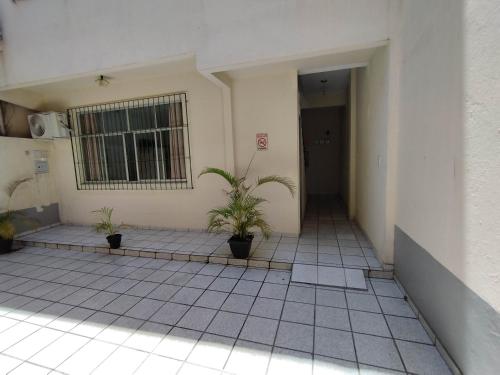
<point x="262" y="141"/>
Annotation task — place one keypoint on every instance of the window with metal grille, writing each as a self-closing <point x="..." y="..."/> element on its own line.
<point x="132" y="144"/>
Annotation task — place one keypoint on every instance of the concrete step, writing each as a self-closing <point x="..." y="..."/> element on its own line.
<point x="340" y="277"/>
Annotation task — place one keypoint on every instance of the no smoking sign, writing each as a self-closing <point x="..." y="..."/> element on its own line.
<point x="262" y="141"/>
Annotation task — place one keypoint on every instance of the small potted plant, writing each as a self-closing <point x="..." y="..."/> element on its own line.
<point x="105" y="225"/>
<point x="241" y="214"/>
<point x="7" y="228"/>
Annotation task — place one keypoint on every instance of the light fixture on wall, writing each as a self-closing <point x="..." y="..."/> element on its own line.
<point x="323" y="86"/>
<point x="102" y="80"/>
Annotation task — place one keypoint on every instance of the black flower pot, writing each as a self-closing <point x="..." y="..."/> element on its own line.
<point x="114" y="240"/>
<point x="240" y="247"/>
<point x="6" y="245"/>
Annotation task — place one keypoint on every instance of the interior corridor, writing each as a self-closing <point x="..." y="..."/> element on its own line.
<point x="328" y="237"/>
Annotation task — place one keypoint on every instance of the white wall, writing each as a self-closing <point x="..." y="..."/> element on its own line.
<point x="16" y="162"/>
<point x="73" y="37"/>
<point x="449" y="142"/>
<point x="371" y="151"/>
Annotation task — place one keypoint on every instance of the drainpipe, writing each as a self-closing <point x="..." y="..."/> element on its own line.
<point x="224" y="82"/>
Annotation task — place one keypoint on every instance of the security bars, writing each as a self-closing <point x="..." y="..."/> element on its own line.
<point x="138" y="144"/>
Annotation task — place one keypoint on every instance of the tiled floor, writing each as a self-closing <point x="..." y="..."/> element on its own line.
<point x="78" y="313"/>
<point x="327" y="239"/>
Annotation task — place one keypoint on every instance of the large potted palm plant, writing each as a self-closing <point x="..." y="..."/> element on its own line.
<point x="106" y="225"/>
<point x="7" y="228"/>
<point x="241" y="214"/>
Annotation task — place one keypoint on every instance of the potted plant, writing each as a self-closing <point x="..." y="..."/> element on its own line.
<point x="7" y="228"/>
<point x="241" y="214"/>
<point x="105" y="225"/>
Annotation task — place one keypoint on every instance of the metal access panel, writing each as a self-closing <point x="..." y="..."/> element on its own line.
<point x="41" y="161"/>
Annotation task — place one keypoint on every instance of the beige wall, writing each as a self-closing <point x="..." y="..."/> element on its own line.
<point x="371" y="151"/>
<point x="164" y="208"/>
<point x="268" y="104"/>
<point x="187" y="208"/>
<point x="16" y="162"/>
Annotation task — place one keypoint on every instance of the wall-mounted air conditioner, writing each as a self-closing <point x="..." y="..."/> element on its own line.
<point x="48" y="125"/>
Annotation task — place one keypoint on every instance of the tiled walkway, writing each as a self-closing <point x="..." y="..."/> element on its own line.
<point x="327" y="238"/>
<point x="81" y="313"/>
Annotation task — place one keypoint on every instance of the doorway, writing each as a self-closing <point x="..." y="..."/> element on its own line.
<point x="325" y="137"/>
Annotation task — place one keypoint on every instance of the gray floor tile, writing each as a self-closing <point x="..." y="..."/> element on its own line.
<point x="331" y="366"/>
<point x="211" y="269"/>
<point x="422" y="359"/>
<point x="298" y="312"/>
<point x="407" y="329"/>
<point x="396" y="306"/>
<point x="301" y="294"/>
<point x="186" y="295"/>
<point x="334" y="343"/>
<point x="278" y="277"/>
<point x="100" y="300"/>
<point x="331" y="298"/>
<point x="164" y="292"/>
<point x="197" y="318"/>
<point x="233" y="272"/>
<point x="305" y="273"/>
<point x="200" y="281"/>
<point x="267" y="308"/>
<point x="238" y="303"/>
<point x="255" y="274"/>
<point x="142" y="289"/>
<point x="121" y="304"/>
<point x="144" y="309"/>
<point x="159" y="276"/>
<point x="363" y="302"/>
<point x="276" y="291"/>
<point x="179" y="278"/>
<point x="331" y="276"/>
<point x="355" y="279"/>
<point x="370" y="323"/>
<point x="227" y="324"/>
<point x="295" y="336"/>
<point x="247" y="287"/>
<point x="260" y="330"/>
<point x="169" y="313"/>
<point x="223" y="284"/>
<point x="332" y="317"/>
<point x="386" y="288"/>
<point x="377" y="351"/>
<point x="211" y="299"/>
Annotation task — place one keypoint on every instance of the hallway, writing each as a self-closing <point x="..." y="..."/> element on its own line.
<point x="328" y="237"/>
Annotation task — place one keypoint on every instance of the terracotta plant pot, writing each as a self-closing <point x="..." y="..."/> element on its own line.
<point x="114" y="240"/>
<point x="6" y="245"/>
<point x="240" y="247"/>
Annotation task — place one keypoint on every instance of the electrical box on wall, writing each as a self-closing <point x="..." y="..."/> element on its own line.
<point x="41" y="161"/>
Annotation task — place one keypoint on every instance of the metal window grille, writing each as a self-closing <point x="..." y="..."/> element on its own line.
<point x="139" y="144"/>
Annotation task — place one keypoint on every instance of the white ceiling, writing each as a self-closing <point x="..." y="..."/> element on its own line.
<point x="336" y="81"/>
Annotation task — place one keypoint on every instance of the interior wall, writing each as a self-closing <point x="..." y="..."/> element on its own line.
<point x="371" y="151"/>
<point x="323" y="130"/>
<point x="269" y="104"/>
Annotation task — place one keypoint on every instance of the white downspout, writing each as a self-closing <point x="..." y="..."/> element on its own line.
<point x="224" y="83"/>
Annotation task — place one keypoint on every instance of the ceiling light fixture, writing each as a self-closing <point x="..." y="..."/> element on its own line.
<point x="102" y="80"/>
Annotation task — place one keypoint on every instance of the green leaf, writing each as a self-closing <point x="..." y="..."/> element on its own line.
<point x="287" y="182"/>
<point x="232" y="180"/>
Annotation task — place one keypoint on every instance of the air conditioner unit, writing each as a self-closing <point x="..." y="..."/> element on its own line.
<point x="48" y="125"/>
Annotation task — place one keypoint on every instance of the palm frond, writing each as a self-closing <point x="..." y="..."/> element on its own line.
<point x="12" y="187"/>
<point x="232" y="180"/>
<point x="287" y="182"/>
